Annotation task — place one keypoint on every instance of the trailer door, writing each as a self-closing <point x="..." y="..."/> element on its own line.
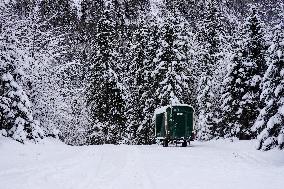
<point x="180" y="124"/>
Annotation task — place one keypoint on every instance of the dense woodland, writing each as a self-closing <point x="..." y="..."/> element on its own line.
<point x="94" y="71"/>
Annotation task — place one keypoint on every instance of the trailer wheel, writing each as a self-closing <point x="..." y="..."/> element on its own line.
<point x="166" y="143"/>
<point x="184" y="143"/>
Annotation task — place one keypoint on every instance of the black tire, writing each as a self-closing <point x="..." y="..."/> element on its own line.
<point x="166" y="143"/>
<point x="184" y="144"/>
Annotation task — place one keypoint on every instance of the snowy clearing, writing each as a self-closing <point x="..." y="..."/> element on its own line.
<point x="213" y="165"/>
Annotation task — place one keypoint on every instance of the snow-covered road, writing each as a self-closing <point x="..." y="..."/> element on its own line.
<point x="210" y="165"/>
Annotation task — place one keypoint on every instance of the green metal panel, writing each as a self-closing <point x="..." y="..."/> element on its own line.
<point x="190" y="122"/>
<point x="160" y="122"/>
<point x="179" y="124"/>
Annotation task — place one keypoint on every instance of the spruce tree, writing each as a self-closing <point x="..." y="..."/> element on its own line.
<point x="171" y="68"/>
<point x="150" y="101"/>
<point x="106" y="101"/>
<point x="270" y="122"/>
<point x="242" y="85"/>
<point x="16" y="115"/>
<point x="254" y="65"/>
<point x="137" y="79"/>
<point x="232" y="90"/>
<point x="210" y="38"/>
<point x="16" y="111"/>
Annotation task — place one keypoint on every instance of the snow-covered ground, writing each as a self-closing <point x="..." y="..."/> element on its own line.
<point x="210" y="165"/>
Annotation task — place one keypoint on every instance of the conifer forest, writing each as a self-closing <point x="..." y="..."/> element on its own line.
<point x="92" y="72"/>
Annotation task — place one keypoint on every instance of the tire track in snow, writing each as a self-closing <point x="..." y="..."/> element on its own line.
<point x="36" y="168"/>
<point x="142" y="164"/>
<point x="108" y="169"/>
<point x="61" y="175"/>
<point x="133" y="174"/>
<point x="42" y="173"/>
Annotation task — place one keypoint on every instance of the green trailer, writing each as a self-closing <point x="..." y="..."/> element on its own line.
<point x="174" y="124"/>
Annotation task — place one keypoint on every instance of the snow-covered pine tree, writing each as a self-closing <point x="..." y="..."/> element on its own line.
<point x="143" y="101"/>
<point x="16" y="115"/>
<point x="171" y="69"/>
<point x="253" y="57"/>
<point x="232" y="90"/>
<point x="105" y="98"/>
<point x="137" y="79"/>
<point x="270" y="122"/>
<point x="242" y="84"/>
<point x="188" y="45"/>
<point x="210" y="40"/>
<point x="150" y="101"/>
<point x="16" y="111"/>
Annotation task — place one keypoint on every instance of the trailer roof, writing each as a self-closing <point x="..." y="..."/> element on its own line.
<point x="164" y="108"/>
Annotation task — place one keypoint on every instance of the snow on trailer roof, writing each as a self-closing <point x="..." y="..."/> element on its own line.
<point x="164" y="108"/>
